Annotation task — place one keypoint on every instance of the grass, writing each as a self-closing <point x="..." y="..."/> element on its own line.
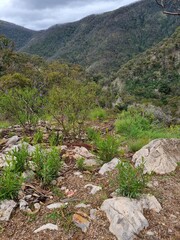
<point x="80" y="164"/>
<point x="4" y="124"/>
<point x="98" y="113"/>
<point x="47" y="164"/>
<point x="38" y="137"/>
<point x="131" y="181"/>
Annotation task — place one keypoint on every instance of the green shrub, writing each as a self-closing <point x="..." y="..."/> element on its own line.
<point x="98" y="113"/>
<point x="131" y="180"/>
<point x="93" y="135"/>
<point x="80" y="164"/>
<point x="20" y="159"/>
<point x="107" y="147"/>
<point x="132" y="124"/>
<point x="54" y="138"/>
<point x="47" y="164"/>
<point x="10" y="183"/>
<point x="38" y="137"/>
<point x="137" y="144"/>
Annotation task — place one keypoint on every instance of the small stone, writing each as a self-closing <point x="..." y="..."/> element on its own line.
<point x="56" y="205"/>
<point x="81" y="220"/>
<point x="78" y="174"/>
<point x="170" y="231"/>
<point x="54" y="182"/>
<point x="12" y="141"/>
<point x="23" y="205"/>
<point x="150" y="233"/>
<point x="37" y="206"/>
<point x="6" y="209"/>
<point x="48" y="226"/>
<point x="94" y="189"/>
<point x="93" y="213"/>
<point x="60" y="179"/>
<point x="82" y="205"/>
<point x="107" y="167"/>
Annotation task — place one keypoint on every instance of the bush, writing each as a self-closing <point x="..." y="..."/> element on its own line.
<point x="21" y="105"/>
<point x="107" y="147"/>
<point x="80" y="164"/>
<point x="98" y="113"/>
<point x="38" y="137"/>
<point x="54" y="138"/>
<point x="19" y="159"/>
<point x="131" y="180"/>
<point x="47" y="164"/>
<point x="70" y="103"/>
<point x="132" y="124"/>
<point x="136" y="145"/>
<point x="93" y="135"/>
<point x="10" y="183"/>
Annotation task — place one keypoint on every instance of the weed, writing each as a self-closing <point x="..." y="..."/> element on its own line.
<point x="135" y="145"/>
<point x="107" y="147"/>
<point x="20" y="159"/>
<point x="54" y="138"/>
<point x="131" y="180"/>
<point x="38" y="137"/>
<point x="10" y="183"/>
<point x="57" y="192"/>
<point x="47" y="164"/>
<point x="93" y="135"/>
<point x="98" y="113"/>
<point x="80" y="164"/>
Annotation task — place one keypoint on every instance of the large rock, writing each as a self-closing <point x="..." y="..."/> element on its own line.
<point x="159" y="156"/>
<point x="126" y="215"/>
<point x="107" y="167"/>
<point x="6" y="209"/>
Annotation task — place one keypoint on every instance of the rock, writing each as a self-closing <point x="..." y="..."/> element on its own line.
<point x="81" y="220"/>
<point x="94" y="189"/>
<point x="6" y="209"/>
<point x="93" y="213"/>
<point x="37" y="206"/>
<point x="126" y="215"/>
<point x="160" y="156"/>
<point x="48" y="226"/>
<point x="56" y="205"/>
<point x="12" y="141"/>
<point x="82" y="205"/>
<point x="54" y="182"/>
<point x="150" y="202"/>
<point x="109" y="166"/>
<point x="150" y="233"/>
<point x="90" y="162"/>
<point x="78" y="174"/>
<point x="83" y="152"/>
<point x="23" y="205"/>
<point x="28" y="176"/>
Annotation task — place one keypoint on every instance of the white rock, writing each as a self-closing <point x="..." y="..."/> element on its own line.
<point x="90" y="162"/>
<point x="56" y="205"/>
<point x="48" y="226"/>
<point x="37" y="206"/>
<point x="93" y="213"/>
<point x="150" y="233"/>
<point x="23" y="205"/>
<point x="12" y="141"/>
<point x="126" y="215"/>
<point x="160" y="156"/>
<point x="150" y="202"/>
<point x="78" y="174"/>
<point x="83" y="152"/>
<point x="82" y="205"/>
<point x="6" y="208"/>
<point x="94" y="189"/>
<point x="107" y="167"/>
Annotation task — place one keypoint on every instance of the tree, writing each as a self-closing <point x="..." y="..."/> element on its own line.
<point x="171" y="7"/>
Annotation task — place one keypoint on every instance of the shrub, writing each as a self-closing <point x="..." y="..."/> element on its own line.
<point x="54" y="138"/>
<point x="131" y="180"/>
<point x="107" y="147"/>
<point x="80" y="164"/>
<point x="98" y="113"/>
<point x="93" y="135"/>
<point x="47" y="164"/>
<point x="10" y="183"/>
<point x="19" y="159"/>
<point x="38" y="137"/>
<point x="135" y="145"/>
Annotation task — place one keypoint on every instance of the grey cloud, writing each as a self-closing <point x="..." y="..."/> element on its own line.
<point x="41" y="14"/>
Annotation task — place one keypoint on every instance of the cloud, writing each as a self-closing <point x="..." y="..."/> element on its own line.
<point x="35" y="14"/>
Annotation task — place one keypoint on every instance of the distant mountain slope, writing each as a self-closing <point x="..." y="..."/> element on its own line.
<point x="154" y="74"/>
<point x="18" y="34"/>
<point x="104" y="42"/>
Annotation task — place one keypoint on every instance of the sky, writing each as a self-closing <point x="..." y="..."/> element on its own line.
<point x="41" y="14"/>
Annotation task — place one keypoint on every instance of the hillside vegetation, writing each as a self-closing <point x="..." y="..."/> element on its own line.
<point x="154" y="75"/>
<point x="19" y="35"/>
<point x="104" y="42"/>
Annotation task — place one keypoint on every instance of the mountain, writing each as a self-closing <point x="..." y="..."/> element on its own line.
<point x="104" y="42"/>
<point x="153" y="75"/>
<point x="19" y="35"/>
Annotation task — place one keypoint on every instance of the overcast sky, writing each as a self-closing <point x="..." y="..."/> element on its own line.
<point x="41" y="14"/>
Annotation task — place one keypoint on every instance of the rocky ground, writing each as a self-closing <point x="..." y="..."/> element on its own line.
<point x="78" y="197"/>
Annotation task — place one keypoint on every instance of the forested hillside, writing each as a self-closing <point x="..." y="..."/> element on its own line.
<point x="154" y="75"/>
<point x="19" y="35"/>
<point x="104" y="42"/>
